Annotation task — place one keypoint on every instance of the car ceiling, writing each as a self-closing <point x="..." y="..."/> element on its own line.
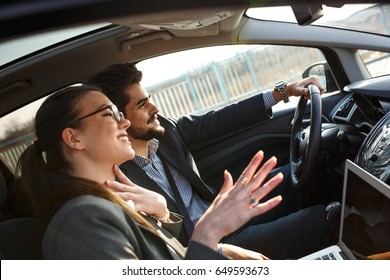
<point x="142" y="27"/>
<point x="26" y="16"/>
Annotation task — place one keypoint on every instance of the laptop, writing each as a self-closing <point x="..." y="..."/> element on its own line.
<point x="365" y="226"/>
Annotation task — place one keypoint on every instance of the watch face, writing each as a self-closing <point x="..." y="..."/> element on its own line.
<point x="280" y="85"/>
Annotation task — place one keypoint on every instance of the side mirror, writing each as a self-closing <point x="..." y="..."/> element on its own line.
<point x="324" y="73"/>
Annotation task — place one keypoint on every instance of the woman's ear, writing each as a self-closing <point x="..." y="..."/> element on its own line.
<point x="71" y="138"/>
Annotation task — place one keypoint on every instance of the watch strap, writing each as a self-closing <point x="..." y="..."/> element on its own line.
<point x="284" y="95"/>
<point x="281" y="87"/>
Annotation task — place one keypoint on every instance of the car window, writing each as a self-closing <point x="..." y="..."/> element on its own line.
<point x="200" y="80"/>
<point x="17" y="133"/>
<point x="370" y="17"/>
<point x="377" y="63"/>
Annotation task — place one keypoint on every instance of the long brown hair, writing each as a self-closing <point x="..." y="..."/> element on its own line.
<point x="43" y="168"/>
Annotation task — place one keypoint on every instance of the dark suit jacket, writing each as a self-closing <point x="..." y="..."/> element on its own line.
<point x="90" y="227"/>
<point x="181" y="134"/>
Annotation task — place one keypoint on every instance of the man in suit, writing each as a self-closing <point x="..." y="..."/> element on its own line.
<point x="164" y="163"/>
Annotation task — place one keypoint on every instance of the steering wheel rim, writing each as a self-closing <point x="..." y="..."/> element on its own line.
<point x="304" y="149"/>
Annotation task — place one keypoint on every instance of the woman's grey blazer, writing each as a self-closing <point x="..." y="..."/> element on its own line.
<point x="90" y="227"/>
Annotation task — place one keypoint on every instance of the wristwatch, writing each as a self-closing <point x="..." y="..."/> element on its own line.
<point x="281" y="87"/>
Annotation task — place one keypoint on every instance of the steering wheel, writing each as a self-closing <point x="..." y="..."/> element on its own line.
<point x="305" y="143"/>
<point x="373" y="154"/>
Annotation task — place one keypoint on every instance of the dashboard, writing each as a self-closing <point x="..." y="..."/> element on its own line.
<point x="367" y="107"/>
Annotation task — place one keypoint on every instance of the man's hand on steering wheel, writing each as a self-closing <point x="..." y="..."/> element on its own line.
<point x="300" y="88"/>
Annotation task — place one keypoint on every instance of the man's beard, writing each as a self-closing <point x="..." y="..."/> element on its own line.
<point x="141" y="134"/>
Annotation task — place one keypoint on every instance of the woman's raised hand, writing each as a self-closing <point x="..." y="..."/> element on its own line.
<point x="237" y="204"/>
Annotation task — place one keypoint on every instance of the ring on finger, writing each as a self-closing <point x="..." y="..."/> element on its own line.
<point x="243" y="180"/>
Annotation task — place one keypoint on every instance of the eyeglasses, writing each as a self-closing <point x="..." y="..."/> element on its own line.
<point x="116" y="115"/>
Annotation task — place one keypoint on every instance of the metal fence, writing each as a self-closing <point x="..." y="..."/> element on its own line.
<point x="11" y="150"/>
<point x="221" y="83"/>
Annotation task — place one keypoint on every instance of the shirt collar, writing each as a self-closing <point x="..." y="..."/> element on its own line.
<point x="152" y="148"/>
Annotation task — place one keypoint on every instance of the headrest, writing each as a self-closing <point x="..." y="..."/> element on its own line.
<point x="3" y="189"/>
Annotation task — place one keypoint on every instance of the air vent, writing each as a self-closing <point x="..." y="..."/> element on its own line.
<point x="345" y="108"/>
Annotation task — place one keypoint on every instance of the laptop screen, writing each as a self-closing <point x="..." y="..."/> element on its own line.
<point x="366" y="222"/>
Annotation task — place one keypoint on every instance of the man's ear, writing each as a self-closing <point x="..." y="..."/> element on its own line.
<point x="71" y="138"/>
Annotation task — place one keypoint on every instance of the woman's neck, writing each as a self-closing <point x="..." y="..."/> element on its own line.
<point x="98" y="172"/>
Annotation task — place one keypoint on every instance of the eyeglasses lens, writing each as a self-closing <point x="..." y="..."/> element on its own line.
<point x="117" y="115"/>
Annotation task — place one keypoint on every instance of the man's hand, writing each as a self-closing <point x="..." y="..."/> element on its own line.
<point x="300" y="88"/>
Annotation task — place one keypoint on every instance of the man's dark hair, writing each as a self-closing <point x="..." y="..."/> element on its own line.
<point x="114" y="80"/>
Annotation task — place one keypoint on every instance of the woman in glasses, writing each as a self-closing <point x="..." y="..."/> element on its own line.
<point x="81" y="138"/>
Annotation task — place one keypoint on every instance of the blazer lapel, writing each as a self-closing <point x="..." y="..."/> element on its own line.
<point x="203" y="190"/>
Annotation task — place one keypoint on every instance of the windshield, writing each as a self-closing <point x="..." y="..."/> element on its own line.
<point x="371" y="18"/>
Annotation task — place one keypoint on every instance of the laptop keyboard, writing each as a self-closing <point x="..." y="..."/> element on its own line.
<point x="327" y="257"/>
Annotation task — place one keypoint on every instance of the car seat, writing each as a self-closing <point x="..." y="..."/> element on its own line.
<point x="20" y="238"/>
<point x="3" y="195"/>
